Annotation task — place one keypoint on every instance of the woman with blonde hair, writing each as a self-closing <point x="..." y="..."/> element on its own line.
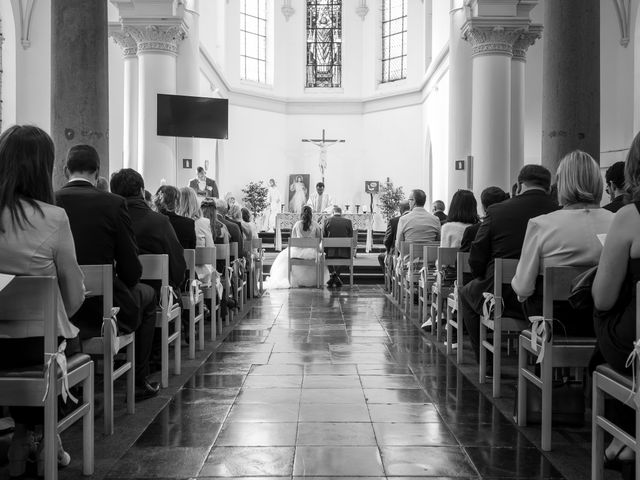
<point x="568" y="236"/>
<point x="188" y="207"/>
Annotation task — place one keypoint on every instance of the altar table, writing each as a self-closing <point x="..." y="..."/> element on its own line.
<point x="360" y="221"/>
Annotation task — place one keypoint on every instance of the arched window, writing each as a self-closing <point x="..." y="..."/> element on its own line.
<point x="253" y="40"/>
<point x="324" y="43"/>
<point x="394" y="40"/>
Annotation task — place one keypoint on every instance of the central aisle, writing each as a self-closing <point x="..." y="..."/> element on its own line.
<point x="331" y="384"/>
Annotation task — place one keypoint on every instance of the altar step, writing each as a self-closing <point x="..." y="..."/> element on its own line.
<point x="268" y="241"/>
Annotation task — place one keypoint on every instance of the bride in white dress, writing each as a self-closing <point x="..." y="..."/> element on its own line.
<point x="301" y="275"/>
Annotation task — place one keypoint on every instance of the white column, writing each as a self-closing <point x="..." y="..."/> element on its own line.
<point x="518" y="61"/>
<point x="491" y="105"/>
<point x="130" y="124"/>
<point x="460" y="74"/>
<point x="157" y="50"/>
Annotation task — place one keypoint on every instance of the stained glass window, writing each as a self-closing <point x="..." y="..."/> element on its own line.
<point x="324" y="43"/>
<point x="394" y="40"/>
<point x="253" y="40"/>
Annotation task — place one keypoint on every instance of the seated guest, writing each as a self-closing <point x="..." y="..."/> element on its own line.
<point x="500" y="236"/>
<point x="249" y="228"/>
<point x="437" y="208"/>
<point x="463" y="213"/>
<point x="336" y="227"/>
<point x="234" y="230"/>
<point x="418" y="225"/>
<point x="167" y="200"/>
<point x="35" y="240"/>
<point x="390" y="234"/>
<point x="153" y="231"/>
<point x="102" y="233"/>
<point x="614" y="178"/>
<point x="488" y="197"/>
<point x="614" y="298"/>
<point x="235" y="215"/>
<point x="102" y="184"/>
<point x="565" y="237"/>
<point x="188" y="207"/>
<point x="219" y="231"/>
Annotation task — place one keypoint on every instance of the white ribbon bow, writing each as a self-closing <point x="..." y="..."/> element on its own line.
<point x="455" y="297"/>
<point x="166" y="297"/>
<point x="218" y="284"/>
<point x="61" y="360"/>
<point x="489" y="304"/>
<point x="113" y="318"/>
<point x="540" y="328"/>
<point x="632" y="359"/>
<point x="194" y="289"/>
<point x="228" y="279"/>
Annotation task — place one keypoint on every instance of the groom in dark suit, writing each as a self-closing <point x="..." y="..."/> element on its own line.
<point x="203" y="185"/>
<point x="337" y="227"/>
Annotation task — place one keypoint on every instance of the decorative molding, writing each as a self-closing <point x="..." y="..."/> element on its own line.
<point x="525" y="40"/>
<point x="362" y="9"/>
<point x="287" y="10"/>
<point x="623" y="9"/>
<point x="23" y="10"/>
<point x="156" y="38"/>
<point x="488" y="39"/>
<point x="124" y="40"/>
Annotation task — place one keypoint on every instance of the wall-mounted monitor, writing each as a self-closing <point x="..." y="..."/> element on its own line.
<point x="200" y="117"/>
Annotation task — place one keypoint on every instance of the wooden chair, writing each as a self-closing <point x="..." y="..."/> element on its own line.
<point x="258" y="263"/>
<point x="238" y="276"/>
<point x="440" y="291"/>
<point x="98" y="280"/>
<point x="223" y="254"/>
<point x="317" y="261"/>
<point x="426" y="280"/>
<point x="251" y="274"/>
<point x="336" y="242"/>
<point x="388" y="272"/>
<point x="609" y="383"/>
<point x="207" y="256"/>
<point x="399" y="270"/>
<point x="411" y="279"/>
<point x="551" y="350"/>
<point x="156" y="267"/>
<point x="35" y="300"/>
<point x="193" y="301"/>
<point x="504" y="271"/>
<point x="462" y="267"/>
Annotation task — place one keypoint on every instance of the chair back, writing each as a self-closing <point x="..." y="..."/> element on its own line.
<point x="190" y="260"/>
<point x="337" y="242"/>
<point x="233" y="250"/>
<point x="32" y="300"/>
<point x="447" y="256"/>
<point x="256" y="243"/>
<point x="155" y="267"/>
<point x="557" y="286"/>
<point x="462" y="267"/>
<point x="205" y="255"/>
<point x="98" y="280"/>
<point x="305" y="242"/>
<point x="223" y="252"/>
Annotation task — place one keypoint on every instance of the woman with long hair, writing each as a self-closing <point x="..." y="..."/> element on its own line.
<point x="167" y="202"/>
<point x="218" y="229"/>
<point x="188" y="207"/>
<point x="35" y="239"/>
<point x="301" y="275"/>
<point x="463" y="212"/>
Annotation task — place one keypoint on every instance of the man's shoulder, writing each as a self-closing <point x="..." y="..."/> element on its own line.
<point x="88" y="197"/>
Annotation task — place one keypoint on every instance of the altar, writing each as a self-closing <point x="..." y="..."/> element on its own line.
<point x="360" y="221"/>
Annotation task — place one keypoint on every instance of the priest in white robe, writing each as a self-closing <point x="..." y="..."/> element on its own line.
<point x="319" y="201"/>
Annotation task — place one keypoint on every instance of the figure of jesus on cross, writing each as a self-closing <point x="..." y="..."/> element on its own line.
<point x="324" y="144"/>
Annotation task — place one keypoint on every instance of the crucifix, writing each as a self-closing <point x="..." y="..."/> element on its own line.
<point x="324" y="144"/>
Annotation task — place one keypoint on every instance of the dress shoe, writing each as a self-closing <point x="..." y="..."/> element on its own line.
<point x="64" y="459"/>
<point x="22" y="449"/>
<point x="146" y="389"/>
<point x="336" y="281"/>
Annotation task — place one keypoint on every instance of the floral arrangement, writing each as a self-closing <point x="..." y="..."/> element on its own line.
<point x="255" y="198"/>
<point x="389" y="199"/>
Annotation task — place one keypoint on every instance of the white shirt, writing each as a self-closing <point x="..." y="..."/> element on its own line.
<point x="320" y="203"/>
<point x="560" y="238"/>
<point x="451" y="234"/>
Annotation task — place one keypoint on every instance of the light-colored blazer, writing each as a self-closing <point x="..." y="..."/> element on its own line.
<point x="43" y="248"/>
<point x="418" y="226"/>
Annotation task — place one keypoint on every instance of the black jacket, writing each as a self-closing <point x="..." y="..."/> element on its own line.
<point x="337" y="227"/>
<point x="235" y="233"/>
<point x="390" y="234"/>
<point x="185" y="229"/>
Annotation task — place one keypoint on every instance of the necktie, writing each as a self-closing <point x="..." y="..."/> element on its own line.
<point x="319" y="206"/>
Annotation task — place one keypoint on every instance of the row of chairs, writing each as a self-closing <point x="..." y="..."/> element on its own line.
<point x="34" y="300"/>
<point x="540" y="352"/>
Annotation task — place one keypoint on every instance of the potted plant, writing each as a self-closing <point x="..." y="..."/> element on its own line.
<point x="255" y="198"/>
<point x="389" y="199"/>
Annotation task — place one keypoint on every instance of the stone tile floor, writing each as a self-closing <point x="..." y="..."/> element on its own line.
<point x="318" y="383"/>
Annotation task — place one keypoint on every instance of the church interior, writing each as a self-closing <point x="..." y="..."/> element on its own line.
<point x="435" y="95"/>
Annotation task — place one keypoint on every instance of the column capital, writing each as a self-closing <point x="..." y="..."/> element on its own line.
<point x="525" y="40"/>
<point x="488" y="37"/>
<point x="162" y="38"/>
<point x="124" y="40"/>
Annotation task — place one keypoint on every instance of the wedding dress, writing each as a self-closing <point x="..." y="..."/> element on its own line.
<point x="301" y="275"/>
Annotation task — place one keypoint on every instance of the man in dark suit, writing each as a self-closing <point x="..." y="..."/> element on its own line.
<point x="337" y="227"/>
<point x="203" y="185"/>
<point x="614" y="178"/>
<point x="153" y="231"/>
<point x="234" y="230"/>
<point x="501" y="236"/>
<point x="390" y="234"/>
<point x="102" y="234"/>
<point x="488" y="197"/>
<point x="437" y="208"/>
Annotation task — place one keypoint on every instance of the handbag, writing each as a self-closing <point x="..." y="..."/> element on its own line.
<point x="580" y="297"/>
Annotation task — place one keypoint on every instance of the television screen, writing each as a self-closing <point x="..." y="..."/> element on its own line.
<point x="201" y="117"/>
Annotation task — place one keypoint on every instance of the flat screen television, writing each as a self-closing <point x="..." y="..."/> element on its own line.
<point x="184" y="116"/>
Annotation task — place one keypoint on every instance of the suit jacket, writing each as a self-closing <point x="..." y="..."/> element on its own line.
<point x="441" y="216"/>
<point x="469" y="236"/>
<point x="501" y="235"/>
<point x="418" y="226"/>
<point x="616" y="205"/>
<point x="155" y="235"/>
<point x="185" y="229"/>
<point x="235" y="233"/>
<point x="390" y="233"/>
<point x="211" y="189"/>
<point x="337" y="227"/>
<point x="102" y="234"/>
